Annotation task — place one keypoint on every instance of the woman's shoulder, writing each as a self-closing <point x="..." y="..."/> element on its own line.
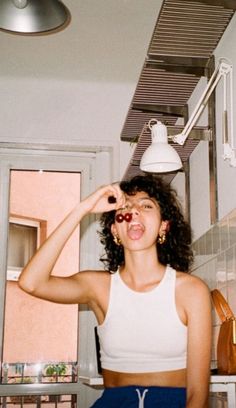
<point x="192" y="292"/>
<point x="190" y="283"/>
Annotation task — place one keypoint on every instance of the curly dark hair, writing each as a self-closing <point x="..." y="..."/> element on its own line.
<point x="176" y="251"/>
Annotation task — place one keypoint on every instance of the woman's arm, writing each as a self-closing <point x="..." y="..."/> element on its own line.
<point x="36" y="277"/>
<point x="198" y="306"/>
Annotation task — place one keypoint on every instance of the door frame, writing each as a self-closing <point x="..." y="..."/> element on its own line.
<point x="53" y="158"/>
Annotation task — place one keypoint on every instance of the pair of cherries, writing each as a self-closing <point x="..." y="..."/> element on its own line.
<point x="127" y="217"/>
<point x="120" y="217"/>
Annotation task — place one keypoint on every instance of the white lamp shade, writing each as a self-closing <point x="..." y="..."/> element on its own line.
<point x="160" y="157"/>
<point x="32" y="16"/>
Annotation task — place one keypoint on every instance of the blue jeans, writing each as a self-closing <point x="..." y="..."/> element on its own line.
<point x="142" y="397"/>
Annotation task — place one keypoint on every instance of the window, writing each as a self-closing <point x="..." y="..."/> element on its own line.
<point x="22" y="317"/>
<point x="25" y="236"/>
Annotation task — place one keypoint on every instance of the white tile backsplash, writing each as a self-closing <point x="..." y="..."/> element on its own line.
<point x="215" y="254"/>
<point x="215" y="262"/>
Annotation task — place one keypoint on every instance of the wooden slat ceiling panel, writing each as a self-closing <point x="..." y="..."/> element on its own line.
<point x="136" y="120"/>
<point x="184" y="39"/>
<point x="189" y="28"/>
<point x="157" y="87"/>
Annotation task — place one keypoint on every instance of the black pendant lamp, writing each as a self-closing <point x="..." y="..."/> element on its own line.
<point x="32" y="16"/>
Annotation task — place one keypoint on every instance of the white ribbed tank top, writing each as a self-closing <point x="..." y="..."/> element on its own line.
<point x="142" y="331"/>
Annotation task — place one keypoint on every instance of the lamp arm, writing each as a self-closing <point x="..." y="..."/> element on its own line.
<point x="232" y="116"/>
<point x="222" y="70"/>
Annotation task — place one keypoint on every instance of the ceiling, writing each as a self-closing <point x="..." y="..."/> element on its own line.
<point x="111" y="42"/>
<point x="75" y="86"/>
<point x="99" y="44"/>
<point x="180" y="52"/>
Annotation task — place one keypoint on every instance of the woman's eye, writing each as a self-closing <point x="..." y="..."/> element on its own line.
<point x="147" y="206"/>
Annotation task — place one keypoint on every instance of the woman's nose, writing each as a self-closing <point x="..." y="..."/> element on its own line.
<point x="134" y="209"/>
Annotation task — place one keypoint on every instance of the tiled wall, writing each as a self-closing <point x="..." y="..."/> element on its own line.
<point x="215" y="263"/>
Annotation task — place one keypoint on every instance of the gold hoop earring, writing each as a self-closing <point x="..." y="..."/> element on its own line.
<point x="161" y="239"/>
<point x="117" y="240"/>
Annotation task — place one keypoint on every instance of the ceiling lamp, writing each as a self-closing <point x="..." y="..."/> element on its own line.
<point x="160" y="157"/>
<point x="32" y="16"/>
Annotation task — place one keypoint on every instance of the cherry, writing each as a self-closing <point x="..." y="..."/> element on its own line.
<point x="128" y="217"/>
<point x="111" y="199"/>
<point x="119" y="217"/>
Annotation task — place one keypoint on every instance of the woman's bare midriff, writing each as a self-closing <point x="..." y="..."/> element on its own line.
<point x="175" y="378"/>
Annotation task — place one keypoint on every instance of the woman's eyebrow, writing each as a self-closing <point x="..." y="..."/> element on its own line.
<point x="150" y="199"/>
<point x="140" y="199"/>
<point x="146" y="198"/>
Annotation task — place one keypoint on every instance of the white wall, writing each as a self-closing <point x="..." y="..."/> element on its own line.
<point x="226" y="174"/>
<point x="71" y="113"/>
<point x="199" y="170"/>
<point x="199" y="190"/>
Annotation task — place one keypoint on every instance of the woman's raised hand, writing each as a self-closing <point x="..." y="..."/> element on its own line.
<point x="99" y="202"/>
<point x="36" y="276"/>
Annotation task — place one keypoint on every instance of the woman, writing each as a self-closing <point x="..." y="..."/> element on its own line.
<point x="154" y="319"/>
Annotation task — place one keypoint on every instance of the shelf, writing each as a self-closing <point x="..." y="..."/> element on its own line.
<point x="92" y="381"/>
<point x="216" y="378"/>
